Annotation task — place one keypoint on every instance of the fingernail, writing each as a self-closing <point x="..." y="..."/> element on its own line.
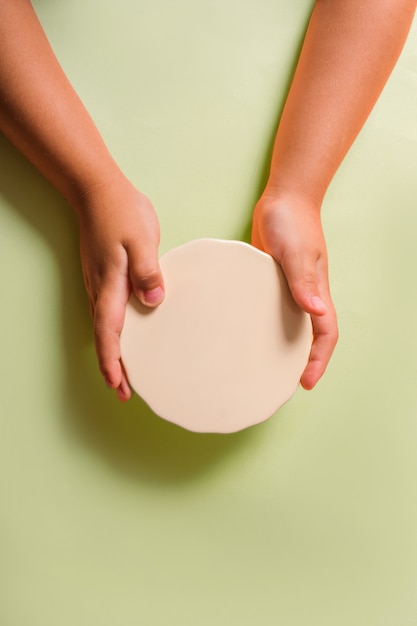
<point x="317" y="303"/>
<point x="153" y="296"/>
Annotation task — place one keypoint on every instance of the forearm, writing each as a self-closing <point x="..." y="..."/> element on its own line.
<point x="350" y="48"/>
<point x="40" y="112"/>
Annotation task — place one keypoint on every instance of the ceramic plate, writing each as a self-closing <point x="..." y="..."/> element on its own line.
<point x="227" y="346"/>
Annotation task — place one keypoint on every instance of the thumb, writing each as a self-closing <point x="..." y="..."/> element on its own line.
<point x="145" y="274"/>
<point x="303" y="280"/>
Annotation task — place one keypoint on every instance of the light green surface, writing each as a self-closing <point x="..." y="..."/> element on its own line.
<point x="110" y="515"/>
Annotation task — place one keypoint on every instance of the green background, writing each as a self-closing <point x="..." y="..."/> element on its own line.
<point x="108" y="514"/>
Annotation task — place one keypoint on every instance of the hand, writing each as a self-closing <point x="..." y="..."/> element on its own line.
<point x="119" y="238"/>
<point x="291" y="232"/>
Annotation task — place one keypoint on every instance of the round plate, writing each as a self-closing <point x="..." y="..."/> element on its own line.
<point x="227" y="346"/>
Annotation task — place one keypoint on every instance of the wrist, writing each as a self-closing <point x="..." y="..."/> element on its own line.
<point x="99" y="190"/>
<point x="276" y="197"/>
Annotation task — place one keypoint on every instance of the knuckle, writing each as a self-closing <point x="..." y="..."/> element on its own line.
<point x="146" y="279"/>
<point x="104" y="368"/>
<point x="309" y="279"/>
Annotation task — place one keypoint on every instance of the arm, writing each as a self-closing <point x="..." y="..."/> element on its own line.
<point x="348" y="53"/>
<point x="119" y="232"/>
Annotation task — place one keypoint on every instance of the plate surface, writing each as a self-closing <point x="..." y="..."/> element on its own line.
<point x="227" y="346"/>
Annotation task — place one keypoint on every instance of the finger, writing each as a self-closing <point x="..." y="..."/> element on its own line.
<point x="325" y="335"/>
<point x="301" y="272"/>
<point x="123" y="390"/>
<point x="145" y="274"/>
<point x="308" y="280"/>
<point x="108" y="323"/>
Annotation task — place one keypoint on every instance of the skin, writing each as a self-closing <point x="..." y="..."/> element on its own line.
<point x="350" y="49"/>
<point x="119" y="230"/>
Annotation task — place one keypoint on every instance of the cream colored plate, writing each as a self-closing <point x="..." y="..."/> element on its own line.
<point x="227" y="346"/>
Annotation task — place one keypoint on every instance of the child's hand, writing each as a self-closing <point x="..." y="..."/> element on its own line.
<point x="291" y="232"/>
<point x="119" y="238"/>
